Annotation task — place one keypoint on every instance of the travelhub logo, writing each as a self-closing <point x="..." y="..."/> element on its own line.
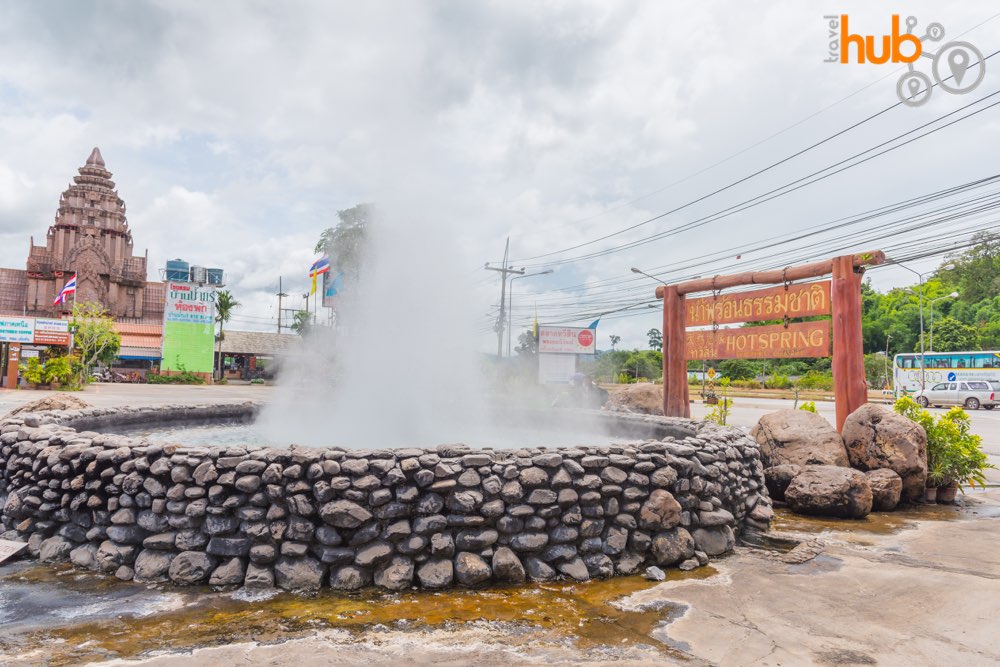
<point x="957" y="67"/>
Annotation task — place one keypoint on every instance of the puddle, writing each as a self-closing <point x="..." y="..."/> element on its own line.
<point x="76" y="618"/>
<point x="881" y="523"/>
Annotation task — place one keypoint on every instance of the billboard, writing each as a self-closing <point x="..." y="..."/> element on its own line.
<point x="566" y="340"/>
<point x="188" y="328"/>
<point x="17" y="330"/>
<point x="776" y="341"/>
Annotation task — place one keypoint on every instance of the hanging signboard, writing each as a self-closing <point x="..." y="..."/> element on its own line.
<point x="802" y="339"/>
<point x="773" y="303"/>
<point x="566" y="340"/>
<point x="51" y="332"/>
<point x="17" y="330"/>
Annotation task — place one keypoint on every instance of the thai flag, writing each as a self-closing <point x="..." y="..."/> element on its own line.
<point x="68" y="288"/>
<point x="321" y="265"/>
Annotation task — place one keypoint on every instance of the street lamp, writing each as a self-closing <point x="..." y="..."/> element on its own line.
<point x="888" y="337"/>
<point x="920" y="297"/>
<point x="510" y="301"/>
<point x="953" y="295"/>
<point x="643" y="273"/>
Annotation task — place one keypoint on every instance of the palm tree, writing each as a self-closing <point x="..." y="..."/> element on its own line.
<point x="225" y="304"/>
<point x="302" y="322"/>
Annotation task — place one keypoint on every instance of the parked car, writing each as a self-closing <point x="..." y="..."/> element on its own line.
<point x="972" y="394"/>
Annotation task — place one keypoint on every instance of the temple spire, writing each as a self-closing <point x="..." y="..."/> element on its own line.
<point x="95" y="158"/>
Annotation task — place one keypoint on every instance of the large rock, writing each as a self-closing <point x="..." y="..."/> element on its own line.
<point x="644" y="398"/>
<point x="714" y="541"/>
<point x="395" y="575"/>
<point x="507" y="566"/>
<point x="437" y="573"/>
<point x="54" y="402"/>
<point x="830" y="491"/>
<point x="299" y="574"/>
<point x="152" y="565"/>
<point x="660" y="512"/>
<point x="191" y="567"/>
<point x="876" y="437"/>
<point x="886" y="489"/>
<point x="777" y="479"/>
<point x="55" y="549"/>
<point x="672" y="546"/>
<point x="471" y="569"/>
<point x="798" y="437"/>
<point x="344" y="514"/>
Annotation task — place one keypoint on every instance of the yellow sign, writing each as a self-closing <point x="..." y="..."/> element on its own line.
<point x="711" y="372"/>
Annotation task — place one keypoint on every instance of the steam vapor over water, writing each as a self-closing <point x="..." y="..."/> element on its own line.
<point x="400" y="368"/>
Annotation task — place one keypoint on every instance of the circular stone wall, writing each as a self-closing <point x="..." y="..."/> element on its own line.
<point x="304" y="518"/>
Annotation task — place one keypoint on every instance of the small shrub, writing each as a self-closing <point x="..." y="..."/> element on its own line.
<point x="816" y="380"/>
<point x="777" y="381"/>
<point x="59" y="369"/>
<point x="184" y="377"/>
<point x="747" y="384"/>
<point x="808" y="406"/>
<point x="32" y="371"/>
<point x="257" y="381"/>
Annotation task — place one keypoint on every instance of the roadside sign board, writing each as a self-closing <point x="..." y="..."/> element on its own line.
<point x="17" y="329"/>
<point x="10" y="548"/>
<point x="51" y="332"/>
<point x="801" y="339"/>
<point x="566" y="340"/>
<point x="773" y="303"/>
<point x="711" y="372"/>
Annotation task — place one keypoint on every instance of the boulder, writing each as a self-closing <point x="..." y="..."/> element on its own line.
<point x="258" y="576"/>
<point x="84" y="556"/>
<point x="660" y="512"/>
<point x="798" y="437"/>
<point x="190" y="567"/>
<point x="349" y="578"/>
<point x="230" y="573"/>
<point x="55" y="549"/>
<point x="575" y="569"/>
<point x="54" y="402"/>
<point x="876" y="437"/>
<point x="152" y="565"/>
<point x="437" y="573"/>
<point x="886" y="489"/>
<point x="830" y="491"/>
<point x="507" y="566"/>
<point x="471" y="569"/>
<point x="777" y="479"/>
<point x="643" y="398"/>
<point x="395" y="575"/>
<point x="713" y="541"/>
<point x="672" y="546"/>
<point x="299" y="574"/>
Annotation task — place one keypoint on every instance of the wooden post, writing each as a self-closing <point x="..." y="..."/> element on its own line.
<point x="13" y="363"/>
<point x="849" y="386"/>
<point x="675" y="386"/>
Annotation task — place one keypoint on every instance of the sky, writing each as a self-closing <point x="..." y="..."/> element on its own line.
<point x="237" y="130"/>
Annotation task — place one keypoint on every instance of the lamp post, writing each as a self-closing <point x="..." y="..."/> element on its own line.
<point x="920" y="298"/>
<point x="953" y="295"/>
<point x="888" y="337"/>
<point x="510" y="301"/>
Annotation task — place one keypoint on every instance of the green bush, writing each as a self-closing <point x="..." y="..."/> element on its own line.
<point x="257" y="381"/>
<point x="184" y="377"/>
<point x="61" y="370"/>
<point x="816" y="380"/>
<point x="747" y="384"/>
<point x="32" y="371"/>
<point x="808" y="406"/>
<point x="778" y="382"/>
<point x="954" y="455"/>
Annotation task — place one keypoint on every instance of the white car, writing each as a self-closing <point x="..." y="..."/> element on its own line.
<point x="971" y="394"/>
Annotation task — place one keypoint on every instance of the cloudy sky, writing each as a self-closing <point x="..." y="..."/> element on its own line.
<point x="236" y="130"/>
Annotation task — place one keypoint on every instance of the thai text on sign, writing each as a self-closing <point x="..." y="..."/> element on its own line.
<point x="801" y="339"/>
<point x="773" y="303"/>
<point x="566" y="340"/>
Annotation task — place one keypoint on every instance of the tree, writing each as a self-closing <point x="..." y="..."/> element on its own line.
<point x="950" y="335"/>
<point x="615" y="340"/>
<point x="527" y="344"/>
<point x="345" y="243"/>
<point x="94" y="336"/>
<point x="225" y="304"/>
<point x="301" y="322"/>
<point x="655" y="339"/>
<point x="738" y="369"/>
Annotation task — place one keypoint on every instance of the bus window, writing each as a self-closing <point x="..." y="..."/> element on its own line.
<point x="960" y="361"/>
<point x="938" y="361"/>
<point x="903" y="362"/>
<point x="982" y="361"/>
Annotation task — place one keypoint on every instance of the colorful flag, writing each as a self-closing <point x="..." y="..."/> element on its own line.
<point x="321" y="265"/>
<point x="68" y="288"/>
<point x="593" y="325"/>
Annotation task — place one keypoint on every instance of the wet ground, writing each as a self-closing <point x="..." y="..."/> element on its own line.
<point x="857" y="596"/>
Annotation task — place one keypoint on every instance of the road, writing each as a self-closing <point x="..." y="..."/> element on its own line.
<point x="746" y="411"/>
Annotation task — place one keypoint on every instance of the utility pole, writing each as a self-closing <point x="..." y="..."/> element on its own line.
<point x="499" y="326"/>
<point x="281" y="295"/>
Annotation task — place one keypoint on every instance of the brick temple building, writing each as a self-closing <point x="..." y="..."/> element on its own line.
<point x="90" y="236"/>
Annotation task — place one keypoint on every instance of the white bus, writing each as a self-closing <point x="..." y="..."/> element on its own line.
<point x="943" y="367"/>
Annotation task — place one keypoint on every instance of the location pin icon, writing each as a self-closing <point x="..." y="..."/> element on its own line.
<point x="914" y="86"/>
<point x="958" y="62"/>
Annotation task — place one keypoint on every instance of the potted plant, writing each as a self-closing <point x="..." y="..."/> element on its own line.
<point x="954" y="455"/>
<point x="59" y="371"/>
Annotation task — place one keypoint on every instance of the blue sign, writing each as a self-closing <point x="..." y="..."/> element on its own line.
<point x="952" y="377"/>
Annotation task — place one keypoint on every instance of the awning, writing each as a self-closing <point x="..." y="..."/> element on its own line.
<point x="139" y="353"/>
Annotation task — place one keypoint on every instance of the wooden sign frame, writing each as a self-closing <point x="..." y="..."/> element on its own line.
<point x="849" y="384"/>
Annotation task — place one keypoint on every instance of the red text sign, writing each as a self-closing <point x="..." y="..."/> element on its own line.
<point x="773" y="303"/>
<point x="803" y="339"/>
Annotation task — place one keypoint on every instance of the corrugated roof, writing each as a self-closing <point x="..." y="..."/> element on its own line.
<point x="254" y="342"/>
<point x="140" y="335"/>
